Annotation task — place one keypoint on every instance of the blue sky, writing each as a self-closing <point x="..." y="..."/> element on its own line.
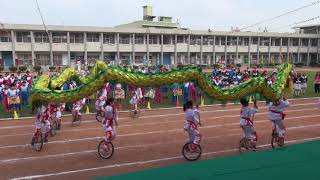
<point x="194" y="14"/>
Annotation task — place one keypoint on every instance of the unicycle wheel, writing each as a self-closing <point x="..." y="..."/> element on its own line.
<point x="105" y="149"/>
<point x="76" y="120"/>
<point x="276" y="142"/>
<point x="134" y="114"/>
<point x="99" y="117"/>
<point x="191" y="151"/>
<point x="38" y="143"/>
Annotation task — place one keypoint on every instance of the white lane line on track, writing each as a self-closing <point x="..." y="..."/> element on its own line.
<point x="153" y="132"/>
<point x="211" y="105"/>
<point x="161" y="115"/>
<point x="95" y="150"/>
<point x="138" y="146"/>
<point x="152" y="123"/>
<point x="147" y="162"/>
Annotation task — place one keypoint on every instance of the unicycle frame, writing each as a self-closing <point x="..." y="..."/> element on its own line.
<point x="275" y="140"/>
<point x="99" y="116"/>
<point x="132" y="114"/>
<point x="76" y="118"/>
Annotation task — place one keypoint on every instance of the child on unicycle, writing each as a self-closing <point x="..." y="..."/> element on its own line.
<point x="191" y="124"/>
<point x="105" y="147"/>
<point x="249" y="140"/>
<point x="77" y="106"/>
<point x="42" y="117"/>
<point x="276" y="115"/>
<point x="101" y="100"/>
<point x="134" y="102"/>
<point x="55" y="113"/>
<point x="110" y="120"/>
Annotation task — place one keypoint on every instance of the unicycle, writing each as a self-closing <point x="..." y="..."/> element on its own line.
<point x="244" y="144"/>
<point x="38" y="142"/>
<point x="105" y="149"/>
<point x="99" y="116"/>
<point x="135" y="113"/>
<point x="76" y="118"/>
<point x="191" y="151"/>
<point x="54" y="126"/>
<point x="276" y="141"/>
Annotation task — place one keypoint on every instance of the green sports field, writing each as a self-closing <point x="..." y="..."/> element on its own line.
<point x="294" y="162"/>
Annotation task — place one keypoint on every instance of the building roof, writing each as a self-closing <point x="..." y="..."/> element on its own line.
<point x="38" y="27"/>
<point x="146" y="24"/>
<point x="307" y="26"/>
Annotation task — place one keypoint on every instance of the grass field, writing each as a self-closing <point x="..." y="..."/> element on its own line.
<point x="293" y="162"/>
<point x="26" y="111"/>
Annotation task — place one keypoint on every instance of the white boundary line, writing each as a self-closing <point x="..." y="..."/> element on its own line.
<point x="140" y="124"/>
<point x="145" y="133"/>
<point x="146" y="162"/>
<point x="162" y="115"/>
<point x="213" y="105"/>
<point x="136" y="146"/>
<point x="155" y="123"/>
<point x="152" y="123"/>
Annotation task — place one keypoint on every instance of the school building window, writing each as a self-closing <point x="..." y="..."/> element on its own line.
<point x="43" y="59"/>
<point x="5" y="36"/>
<point x="139" y="39"/>
<point x="41" y="37"/>
<point x="59" y="37"/>
<point x="92" y="37"/>
<point x="108" y="39"/>
<point x="24" y="59"/>
<point x="76" y="38"/>
<point x="23" y="37"/>
<point x="124" y="39"/>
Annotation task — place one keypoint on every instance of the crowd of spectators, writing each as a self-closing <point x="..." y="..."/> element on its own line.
<point x="14" y="90"/>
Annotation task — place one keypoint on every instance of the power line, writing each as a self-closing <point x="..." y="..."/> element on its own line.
<point x="281" y="15"/>
<point x="296" y="23"/>
<point x="42" y="18"/>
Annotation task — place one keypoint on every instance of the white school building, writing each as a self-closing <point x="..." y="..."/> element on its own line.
<point x="152" y="41"/>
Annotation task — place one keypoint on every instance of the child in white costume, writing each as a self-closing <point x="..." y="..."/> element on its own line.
<point x="101" y="100"/>
<point x="43" y="116"/>
<point x="191" y="122"/>
<point x="276" y="116"/>
<point x="111" y="119"/>
<point x="134" y="102"/>
<point x="77" y="106"/>
<point x="246" y="121"/>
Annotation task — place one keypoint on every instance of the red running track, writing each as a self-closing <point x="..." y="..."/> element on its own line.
<point x="153" y="140"/>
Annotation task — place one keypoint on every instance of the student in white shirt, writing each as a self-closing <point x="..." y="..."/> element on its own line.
<point x="24" y="91"/>
<point x="13" y="93"/>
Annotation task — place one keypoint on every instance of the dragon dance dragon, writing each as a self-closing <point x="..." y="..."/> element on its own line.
<point x="45" y="88"/>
